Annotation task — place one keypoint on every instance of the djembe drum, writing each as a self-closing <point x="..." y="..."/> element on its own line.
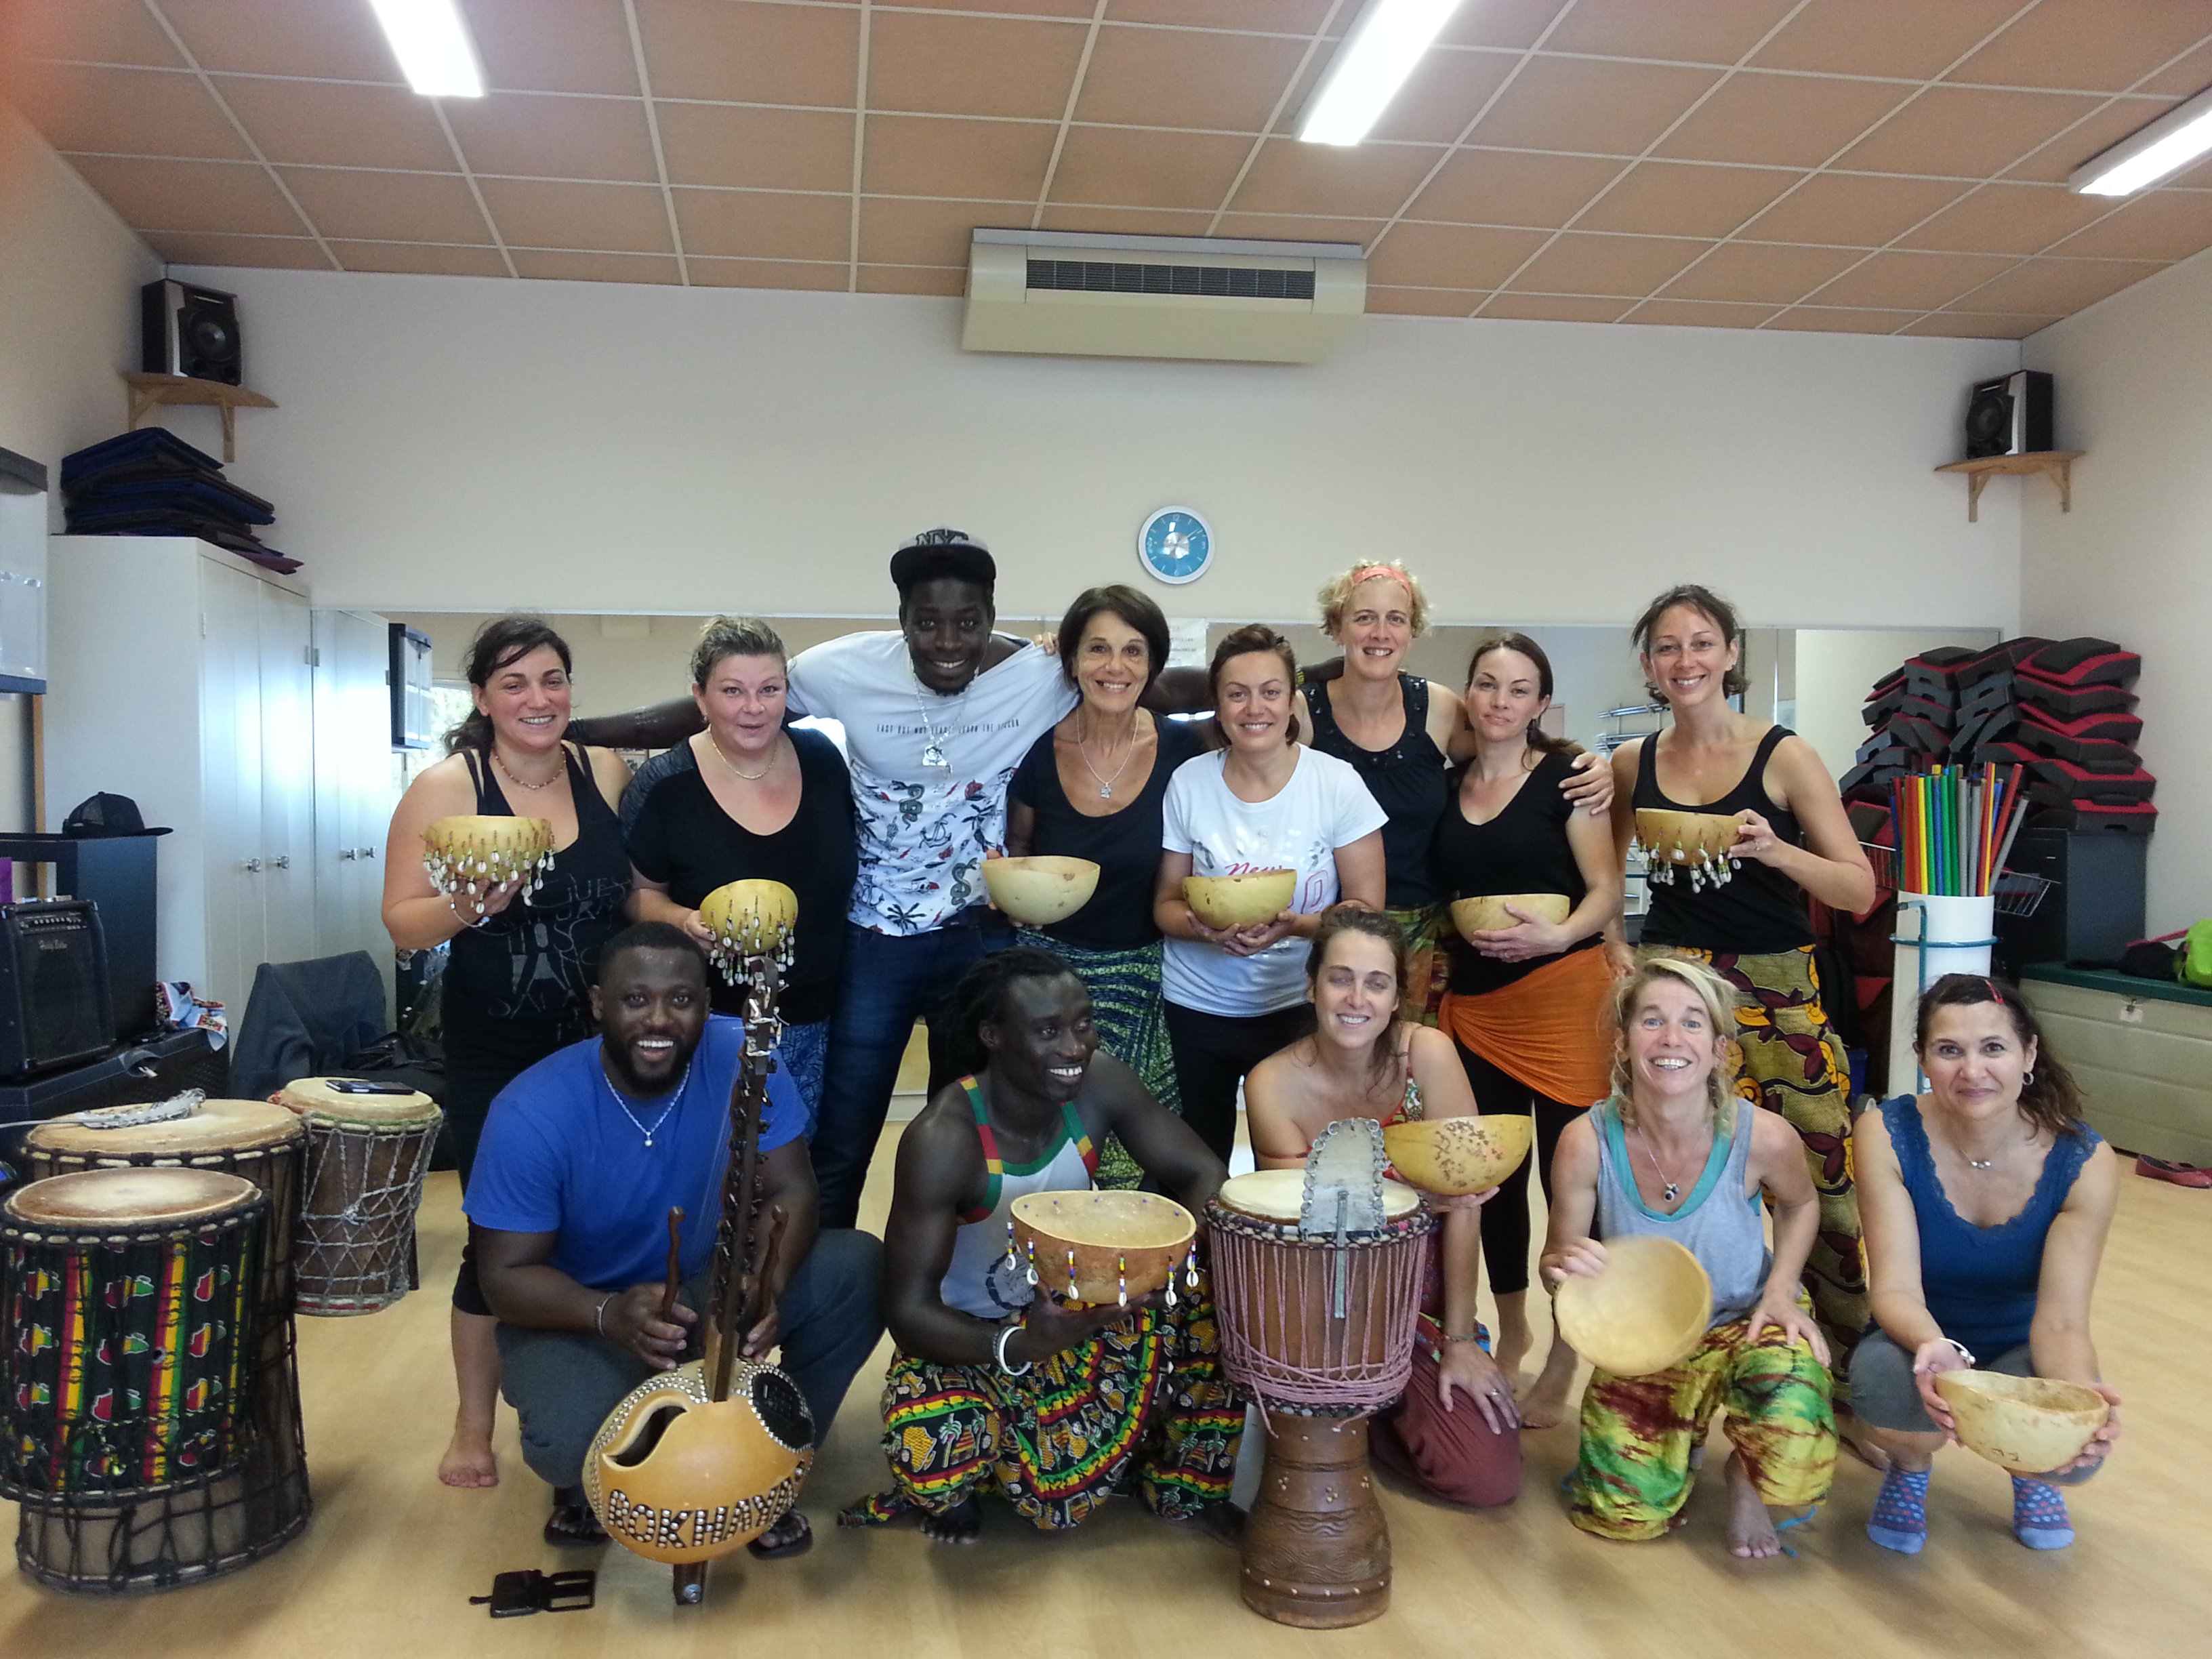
<point x="133" y="1306"/>
<point x="262" y="1144"/>
<point x="368" y="1149"/>
<point x="1317" y="1323"/>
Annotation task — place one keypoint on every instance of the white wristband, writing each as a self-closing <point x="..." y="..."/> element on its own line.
<point x="1965" y="1352"/>
<point x="999" y="1352"/>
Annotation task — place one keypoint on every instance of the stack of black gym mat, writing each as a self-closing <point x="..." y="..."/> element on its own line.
<point x="2061" y="710"/>
<point x="152" y="482"/>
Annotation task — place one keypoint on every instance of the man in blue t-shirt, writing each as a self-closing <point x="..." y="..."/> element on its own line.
<point x="583" y="1157"/>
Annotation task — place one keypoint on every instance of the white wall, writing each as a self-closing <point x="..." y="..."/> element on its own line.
<point x="472" y="444"/>
<point x="2133" y="560"/>
<point x="1835" y="669"/>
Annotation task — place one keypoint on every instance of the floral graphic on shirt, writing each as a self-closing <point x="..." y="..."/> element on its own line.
<point x="921" y="845"/>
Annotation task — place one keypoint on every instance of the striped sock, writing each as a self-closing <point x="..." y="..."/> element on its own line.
<point x="1900" y="1513"/>
<point x="2038" y="1515"/>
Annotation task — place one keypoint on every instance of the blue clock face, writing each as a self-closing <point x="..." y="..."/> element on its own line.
<point x="1176" y="544"/>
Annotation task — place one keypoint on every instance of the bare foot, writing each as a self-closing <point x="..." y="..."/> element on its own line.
<point x="1751" y="1535"/>
<point x="1223" y="1522"/>
<point x="1544" y="1404"/>
<point x="1862" y="1446"/>
<point x="961" y="1524"/>
<point x="469" y="1460"/>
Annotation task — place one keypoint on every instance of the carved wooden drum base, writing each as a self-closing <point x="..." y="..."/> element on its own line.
<point x="1316" y="1551"/>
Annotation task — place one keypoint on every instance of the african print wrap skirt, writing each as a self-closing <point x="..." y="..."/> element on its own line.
<point x="1125" y="1001"/>
<point x="1428" y="960"/>
<point x="1639" y="1431"/>
<point x="1146" y="1404"/>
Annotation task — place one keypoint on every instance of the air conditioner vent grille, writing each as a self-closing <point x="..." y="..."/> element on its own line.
<point x="1098" y="276"/>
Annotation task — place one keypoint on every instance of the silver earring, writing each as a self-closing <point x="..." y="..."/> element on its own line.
<point x="2027" y="1079"/>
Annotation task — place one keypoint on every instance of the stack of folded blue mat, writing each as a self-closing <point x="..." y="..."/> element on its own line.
<point x="152" y="482"/>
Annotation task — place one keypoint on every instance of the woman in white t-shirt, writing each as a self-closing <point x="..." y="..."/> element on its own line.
<point x="1264" y="803"/>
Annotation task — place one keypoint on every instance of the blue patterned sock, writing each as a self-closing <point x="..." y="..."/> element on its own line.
<point x="1900" y="1513"/>
<point x="2038" y="1515"/>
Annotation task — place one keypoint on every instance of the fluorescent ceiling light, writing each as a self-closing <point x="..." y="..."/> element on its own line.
<point x="433" y="46"/>
<point x="2175" y="139"/>
<point x="1371" y="66"/>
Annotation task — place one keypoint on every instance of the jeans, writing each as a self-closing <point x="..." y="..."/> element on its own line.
<point x="563" y="1383"/>
<point x="885" y="982"/>
<point x="1212" y="1052"/>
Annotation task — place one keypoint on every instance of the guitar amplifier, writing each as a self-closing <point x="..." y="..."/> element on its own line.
<point x="55" y="1004"/>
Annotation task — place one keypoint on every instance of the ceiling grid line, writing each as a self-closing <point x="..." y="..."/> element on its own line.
<point x="1275" y="113"/>
<point x="859" y="144"/>
<point x="1068" y="114"/>
<point x="653" y="133"/>
<point x="475" y="189"/>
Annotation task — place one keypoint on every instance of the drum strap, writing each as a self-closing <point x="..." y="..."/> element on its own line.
<point x="1071" y="1129"/>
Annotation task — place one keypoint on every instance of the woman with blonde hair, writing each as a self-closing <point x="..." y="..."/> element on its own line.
<point x="1673" y="1153"/>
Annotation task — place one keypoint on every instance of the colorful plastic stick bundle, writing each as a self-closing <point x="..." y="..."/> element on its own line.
<point x="1955" y="826"/>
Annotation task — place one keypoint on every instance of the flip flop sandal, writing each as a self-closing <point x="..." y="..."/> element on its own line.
<point x="573" y="1526"/>
<point x="794" y="1541"/>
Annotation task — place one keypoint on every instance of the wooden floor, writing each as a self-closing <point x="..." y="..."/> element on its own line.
<point x="391" y="1558"/>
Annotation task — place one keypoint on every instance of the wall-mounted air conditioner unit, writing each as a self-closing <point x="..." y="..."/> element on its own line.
<point x="1064" y="293"/>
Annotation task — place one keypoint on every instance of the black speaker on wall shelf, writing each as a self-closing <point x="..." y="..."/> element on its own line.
<point x="191" y="330"/>
<point x="2010" y="416"/>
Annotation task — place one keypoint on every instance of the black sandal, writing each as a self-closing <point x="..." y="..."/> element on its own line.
<point x="792" y="1535"/>
<point x="572" y="1524"/>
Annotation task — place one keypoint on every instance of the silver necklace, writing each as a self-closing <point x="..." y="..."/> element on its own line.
<point x="674" y="1099"/>
<point x="1106" y="784"/>
<point x="933" y="752"/>
<point x="1674" y="1188"/>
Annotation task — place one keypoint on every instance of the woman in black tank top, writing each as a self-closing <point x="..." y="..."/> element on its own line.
<point x="1793" y="841"/>
<point x="517" y="984"/>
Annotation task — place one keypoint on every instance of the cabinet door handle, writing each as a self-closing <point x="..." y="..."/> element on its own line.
<point x="252" y="866"/>
<point x="348" y="855"/>
<point x="282" y="861"/>
<point x="368" y="853"/>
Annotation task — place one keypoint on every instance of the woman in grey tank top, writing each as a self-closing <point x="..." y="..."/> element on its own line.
<point x="1675" y="1153"/>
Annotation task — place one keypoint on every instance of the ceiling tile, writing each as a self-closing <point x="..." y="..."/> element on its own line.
<point x="765" y="273"/>
<point x="751" y="53"/>
<point x="1446" y="91"/>
<point x="1279" y="227"/>
<point x="1126" y="221"/>
<point x="1698" y="314"/>
<point x="1132" y="168"/>
<point x="1810" y="321"/>
<point x="227" y="197"/>
<point x="1635" y="265"/>
<point x="1795" y="120"/>
<point x="2100" y="45"/>
<point x="1513" y="23"/>
<point x="1685" y="31"/>
<point x="1986" y="326"/>
<point x="1554" y="308"/>
<point x="527" y="135"/>
<point x="554" y="46"/>
<point x="1911" y="282"/>
<point x="1420" y="301"/>
<point x="263" y="253"/>
<point x="971" y="160"/>
<point x="556" y="267"/>
<point x="2187" y="75"/>
<point x="2162" y="225"/>
<point x="1269" y="16"/>
<point x="1000" y="66"/>
<point x="2088" y="138"/>
<point x="1965" y="131"/>
<point x="335" y="43"/>
<point x="1451" y="256"/>
<point x="913" y="279"/>
<point x="1761" y="273"/>
<point x="1185" y="78"/>
<point x="111" y="32"/>
<point x="617" y="218"/>
<point x="421" y="261"/>
<point x="127" y="112"/>
<point x="764" y="225"/>
<point x="2009" y="219"/>
<point x="1599" y="108"/>
<point x="387" y="207"/>
<point x="763" y="148"/>
<point x="1661" y="198"/>
<point x="2058" y="287"/>
<point x="1512" y="187"/>
<point x="1909" y="38"/>
<point x="1370" y="180"/>
<point x="902" y="231"/>
<point x="1852" y="210"/>
<point x="331" y="124"/>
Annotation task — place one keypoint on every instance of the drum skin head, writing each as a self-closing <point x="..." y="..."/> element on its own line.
<point x="1455" y="1156"/>
<point x="314" y="1097"/>
<point x="1039" y="891"/>
<point x="1243" y="901"/>
<point x="1095" y="1246"/>
<point x="1648" y="1310"/>
<point x="2028" y="1425"/>
<point x="1280" y="1195"/>
<point x="1487" y="914"/>
<point x="218" y="1125"/>
<point x="128" y="1198"/>
<point x="720" y="1473"/>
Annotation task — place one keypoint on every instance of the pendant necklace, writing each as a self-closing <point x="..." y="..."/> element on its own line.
<point x="1106" y="784"/>
<point x="1674" y="1188"/>
<point x="674" y="1100"/>
<point x="932" y="753"/>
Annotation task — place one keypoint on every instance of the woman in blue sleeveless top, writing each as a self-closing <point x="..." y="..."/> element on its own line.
<point x="1986" y="1203"/>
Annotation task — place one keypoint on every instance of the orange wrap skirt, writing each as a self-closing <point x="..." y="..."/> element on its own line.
<point x="1547" y="1029"/>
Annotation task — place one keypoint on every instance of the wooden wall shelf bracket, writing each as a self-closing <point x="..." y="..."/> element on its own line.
<point x="150" y="391"/>
<point x="2056" y="464"/>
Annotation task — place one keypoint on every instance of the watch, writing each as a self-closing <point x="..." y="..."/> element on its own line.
<point x="1176" y="544"/>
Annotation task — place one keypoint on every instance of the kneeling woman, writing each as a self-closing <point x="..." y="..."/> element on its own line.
<point x="1674" y="1154"/>
<point x="1986" y="1202"/>
<point x="1363" y="1061"/>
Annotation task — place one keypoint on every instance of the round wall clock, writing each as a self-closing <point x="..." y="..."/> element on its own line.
<point x="1176" y="544"/>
